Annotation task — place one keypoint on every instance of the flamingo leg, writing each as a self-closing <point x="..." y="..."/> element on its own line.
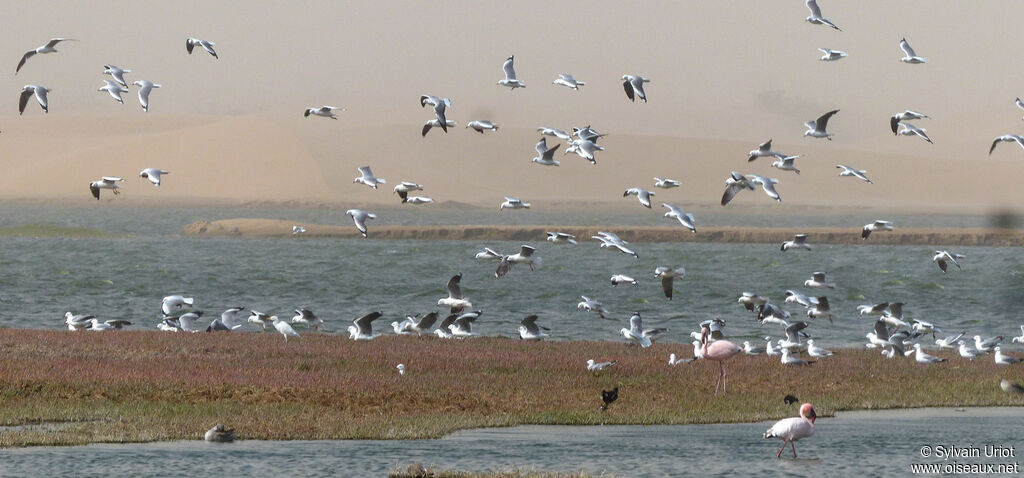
<point x="792" y="444"/>
<point x="724" y="376"/>
<point x="721" y="373"/>
<point x="779" y="455"/>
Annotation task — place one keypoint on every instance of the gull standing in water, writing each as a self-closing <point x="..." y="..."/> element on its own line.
<point x="634" y="86"/>
<point x="561" y="238"/>
<point x="684" y="218"/>
<point x="529" y="330"/>
<point x="455" y="300"/>
<point x="513" y="203"/>
<point x="114" y="89"/>
<point x="145" y="87"/>
<point x="894" y="121"/>
<point x="816" y="19"/>
<point x="283" y="328"/>
<point x="911" y="130"/>
<point x="816" y="128"/>
<point x="324" y="111"/>
<point x="106" y="182"/>
<point x="440" y="106"/>
<point x="878" y="225"/>
<point x="665" y="183"/>
<point x="191" y="43"/>
<point x="857" y="173"/>
<point x="480" y="125"/>
<point x="641" y="194"/>
<point x="153" y="175"/>
<point x="943" y="257"/>
<point x="116" y="73"/>
<point x="366" y="177"/>
<point x="359" y="217"/>
<point x="667" y="275"/>
<point x="546" y="156"/>
<point x="566" y="79"/>
<point x="832" y="55"/>
<point x="909" y="55"/>
<point x="799" y="241"/>
<point x="1004" y="138"/>
<point x="510" y="75"/>
<point x="32" y="90"/>
<point x="789" y="430"/>
<point x="362" y="328"/>
<point x="49" y="47"/>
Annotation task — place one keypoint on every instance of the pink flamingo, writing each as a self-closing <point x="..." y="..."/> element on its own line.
<point x="719" y="351"/>
<point x="794" y="428"/>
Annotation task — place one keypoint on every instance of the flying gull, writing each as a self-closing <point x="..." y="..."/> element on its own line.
<point x="153" y="175"/>
<point x="106" y="182"/>
<point x="362" y="328"/>
<point x="684" y="218"/>
<point x="359" y="217"/>
<point x="733" y="185"/>
<point x="667" y="275"/>
<point x="665" y="183"/>
<point x="820" y="309"/>
<point x="816" y="128"/>
<point x="546" y="155"/>
<point x="909" y="55"/>
<point x="440" y="106"/>
<point x="622" y="279"/>
<point x="894" y="120"/>
<point x="585" y="149"/>
<point x="116" y="73"/>
<point x="767" y="184"/>
<point x="462" y="327"/>
<point x="566" y="79"/>
<point x="634" y="86"/>
<point x="799" y="241"/>
<point x="911" y="130"/>
<point x="324" y="111"/>
<point x="638" y="334"/>
<point x="366" y="177"/>
<point x="561" y="238"/>
<point x="786" y="164"/>
<point x="832" y="55"/>
<point x="817" y="281"/>
<point x="480" y="125"/>
<point x="434" y="123"/>
<point x="191" y="42"/>
<point x="510" y="75"/>
<point x="455" y="300"/>
<point x="524" y="256"/>
<point x="641" y="194"/>
<point x="114" y="89"/>
<point x="513" y="203"/>
<point x="857" y="173"/>
<point x="306" y="317"/>
<point x="33" y="90"/>
<point x="49" y="47"/>
<point x="1004" y="138"/>
<point x="878" y="225"/>
<point x="591" y="305"/>
<point x="546" y="131"/>
<point x="612" y="242"/>
<point x="145" y="87"/>
<point x="816" y="19"/>
<point x="529" y="330"/>
<point x="764" y="150"/>
<point x="942" y="258"/>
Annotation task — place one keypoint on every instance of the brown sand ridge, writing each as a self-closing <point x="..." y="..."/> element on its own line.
<point x="822" y="235"/>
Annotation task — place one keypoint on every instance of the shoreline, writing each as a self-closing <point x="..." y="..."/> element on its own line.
<point x="249" y="227"/>
<point x="146" y="386"/>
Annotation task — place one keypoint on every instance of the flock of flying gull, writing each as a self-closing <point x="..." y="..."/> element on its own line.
<point x="890" y="332"/>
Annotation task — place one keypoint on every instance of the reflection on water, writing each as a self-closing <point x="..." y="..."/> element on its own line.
<point x="864" y="443"/>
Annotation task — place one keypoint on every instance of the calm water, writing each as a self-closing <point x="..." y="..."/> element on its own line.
<point x="126" y="276"/>
<point x="864" y="443"/>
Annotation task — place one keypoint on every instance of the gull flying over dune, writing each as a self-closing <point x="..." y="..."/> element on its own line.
<point x="643" y="195"/>
<point x="145" y="87"/>
<point x="116" y="73"/>
<point x="546" y="131"/>
<point x="513" y="203"/>
<point x="684" y="218"/>
<point x="114" y="89"/>
<point x="366" y="177"/>
<point x="510" y="75"/>
<point x="909" y="56"/>
<point x="49" y="47"/>
<point x="894" y="120"/>
<point x="665" y="183"/>
<point x="434" y="123"/>
<point x="764" y="150"/>
<point x="585" y="149"/>
<point x="191" y="43"/>
<point x="733" y="185"/>
<point x="566" y="79"/>
<point x="323" y="111"/>
<point x="33" y="90"/>
<point x="106" y="182"/>
<point x="634" y="86"/>
<point x="546" y="155"/>
<point x="911" y="130"/>
<point x="878" y="225"/>
<point x="786" y="164"/>
<point x="857" y="173"/>
<point x="767" y="184"/>
<point x="832" y="55"/>
<point x="440" y="106"/>
<point x="816" y="128"/>
<point x="1000" y="139"/>
<point x="799" y="241"/>
<point x="481" y="125"/>
<point x="359" y="217"/>
<point x="153" y="175"/>
<point x="815" y="18"/>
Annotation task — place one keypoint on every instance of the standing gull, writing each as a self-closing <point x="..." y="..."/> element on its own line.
<point x="114" y="89"/>
<point x="909" y="55"/>
<point x="634" y="86"/>
<point x="145" y="87"/>
<point x="816" y="19"/>
<point x="684" y="218"/>
<point x="566" y="79"/>
<point x="816" y="128"/>
<point x="545" y="156"/>
<point x="832" y="55"/>
<point x="359" y="217"/>
<point x="921" y="357"/>
<point x="857" y="173"/>
<point x="191" y="43"/>
<point x="116" y="73"/>
<point x="641" y="194"/>
<point x="324" y="111"/>
<point x="153" y="175"/>
<point x="510" y="75"/>
<point x="366" y="177"/>
<point x="33" y="90"/>
<point x="49" y="47"/>
<point x="106" y="182"/>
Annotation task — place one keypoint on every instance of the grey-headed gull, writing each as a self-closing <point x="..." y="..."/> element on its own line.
<point x="362" y="328"/>
<point x="815" y="351"/>
<point x="585" y="149"/>
<point x="767" y="184"/>
<point x="816" y="19"/>
<point x="366" y="177"/>
<point x="187" y="321"/>
<point x="172" y="303"/>
<point x="416" y="324"/>
<point x="800" y="297"/>
<point x="481" y="125"/>
<point x="909" y="56"/>
<point x="1019" y="339"/>
<point x="510" y="75"/>
<point x="599" y="366"/>
<point x="799" y="241"/>
<point x="462" y="327"/>
<point x="529" y="330"/>
<point x="33" y="90"/>
<point x="232" y="317"/>
<point x="786" y="164"/>
<point x="415" y="199"/>
<point x="634" y="86"/>
<point x="284" y="328"/>
<point x="751" y="349"/>
<point x="832" y="55"/>
<point x="77" y="322"/>
<point x="359" y="217"/>
<point x="665" y="183"/>
<point x="911" y="130"/>
<point x="401" y="368"/>
<point x="306" y="317"/>
<point x="968" y="352"/>
<point x="792" y="360"/>
<point x="323" y="111"/>
<point x="1006" y="138"/>
<point x="922" y="357"/>
<point x="611" y="241"/>
<point x="684" y="218"/>
<point x="587" y="133"/>
<point x="513" y="203"/>
<point x="566" y="79"/>
<point x="817" y="281"/>
<point x="440" y="106"/>
<point x="999" y="357"/>
<point x="191" y="43"/>
<point x="443" y="331"/>
<point x="942" y="258"/>
<point x="524" y="256"/>
<point x="638" y="334"/>
<point x="922" y="327"/>
<point x="591" y="305"/>
<point x="820" y="308"/>
<point x="733" y="185"/>
<point x="857" y="173"/>
<point x="751" y="300"/>
<point x="622" y="279"/>
<point x="878" y="225"/>
<point x="114" y="89"/>
<point x="545" y="155"/>
<point x="986" y="345"/>
<point x="673" y="360"/>
<point x="949" y="342"/>
<point x="894" y="120"/>
<point x="153" y="175"/>
<point x="641" y="194"/>
<point x="106" y="182"/>
<point x="667" y="276"/>
<point x="49" y="47"/>
<point x="817" y="128"/>
<point x="434" y="123"/>
<point x="489" y="254"/>
<point x="560" y="238"/>
<point x="145" y="87"/>
<point x="546" y="131"/>
<point x="407" y="187"/>
<point x="764" y="150"/>
<point x="116" y="73"/>
<point x="259" y="318"/>
<point x="455" y="299"/>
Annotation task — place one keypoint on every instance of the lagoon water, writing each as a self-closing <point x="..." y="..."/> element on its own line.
<point x="879" y="443"/>
<point x="125" y="275"/>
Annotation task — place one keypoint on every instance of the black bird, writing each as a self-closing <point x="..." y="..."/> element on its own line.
<point x="790" y="399"/>
<point x="609" y="396"/>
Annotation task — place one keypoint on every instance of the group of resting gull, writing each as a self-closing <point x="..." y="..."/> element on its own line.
<point x="889" y="331"/>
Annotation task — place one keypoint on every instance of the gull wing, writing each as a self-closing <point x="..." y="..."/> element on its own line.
<point x="906" y="48"/>
<point x="629" y="90"/>
<point x="454" y="290"/>
<point x="23" y="100"/>
<point x="510" y="72"/>
<point x="364" y="322"/>
<point x="815" y="10"/>
<point x="822" y="122"/>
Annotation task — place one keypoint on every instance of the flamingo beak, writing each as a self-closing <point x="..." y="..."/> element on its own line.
<point x="813" y="416"/>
